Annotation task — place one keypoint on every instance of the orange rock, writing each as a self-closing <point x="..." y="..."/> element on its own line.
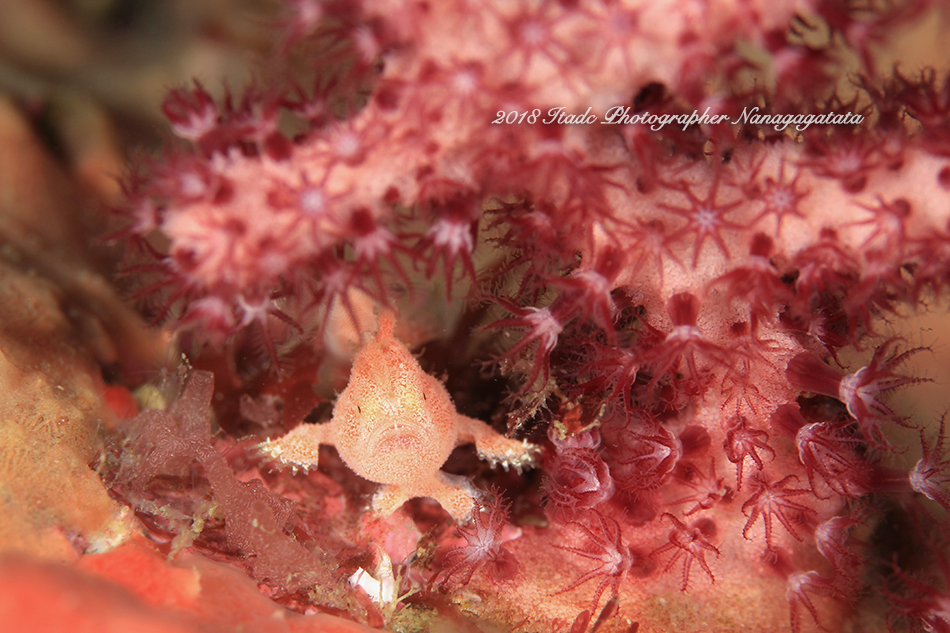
<point x="134" y="588"/>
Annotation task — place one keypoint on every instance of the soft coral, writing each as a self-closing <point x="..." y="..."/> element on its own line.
<point x="579" y="479"/>
<point x="932" y="471"/>
<point x="859" y="391"/>
<point x="485" y="536"/>
<point x="691" y="544"/>
<point x="773" y="500"/>
<point x="606" y="546"/>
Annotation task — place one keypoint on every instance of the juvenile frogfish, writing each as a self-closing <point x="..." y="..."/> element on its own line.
<point x="396" y="425"/>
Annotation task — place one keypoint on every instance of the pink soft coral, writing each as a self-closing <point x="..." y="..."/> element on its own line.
<point x="676" y="289"/>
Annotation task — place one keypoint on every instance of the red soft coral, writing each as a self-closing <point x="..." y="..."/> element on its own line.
<point x="691" y="544"/>
<point x="606" y="546"/>
<point x="579" y="479"/>
<point x="485" y="536"/>
<point x="772" y="500"/>
<point x="932" y="471"/>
